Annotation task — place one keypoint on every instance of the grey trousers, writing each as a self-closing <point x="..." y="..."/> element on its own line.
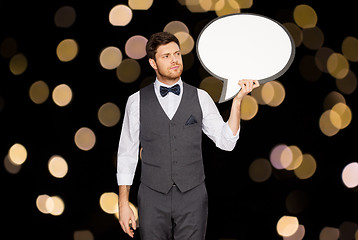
<point x="176" y="215"/>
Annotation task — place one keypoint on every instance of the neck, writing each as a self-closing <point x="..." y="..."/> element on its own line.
<point x="168" y="82"/>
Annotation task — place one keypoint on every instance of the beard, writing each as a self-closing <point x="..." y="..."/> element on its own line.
<point x="170" y="74"/>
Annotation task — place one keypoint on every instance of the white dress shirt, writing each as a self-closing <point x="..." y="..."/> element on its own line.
<point x="212" y="125"/>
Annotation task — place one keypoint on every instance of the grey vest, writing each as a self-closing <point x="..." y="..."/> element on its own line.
<point x="171" y="148"/>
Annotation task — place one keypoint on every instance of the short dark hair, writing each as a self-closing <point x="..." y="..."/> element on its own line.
<point x="158" y="39"/>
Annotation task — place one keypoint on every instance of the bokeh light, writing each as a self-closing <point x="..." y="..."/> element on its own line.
<point x="296" y="157"/>
<point x="110" y="58"/>
<point x="307" y="168"/>
<point x="260" y="170"/>
<point x="135" y="47"/>
<point x="62" y="95"/>
<point x="321" y="58"/>
<point x="10" y="167"/>
<point x="348" y="84"/>
<point x="332" y="99"/>
<point x="329" y="123"/>
<point x="350" y="175"/>
<point x="298" y="235"/>
<point x="17" y="154"/>
<point x="41" y="203"/>
<point x="345" y="115"/>
<point x="225" y="7"/>
<point x="109" y="114"/>
<point x="50" y="205"/>
<point x="18" y="64"/>
<point x="120" y="15"/>
<point x="128" y="71"/>
<point x="305" y="16"/>
<point x="313" y="38"/>
<point x="174" y="27"/>
<point x="329" y="233"/>
<point x="213" y="86"/>
<point x="281" y="156"/>
<point x="109" y="202"/>
<point x="287" y="226"/>
<point x="39" y="92"/>
<point x="8" y="47"/>
<point x="65" y="17"/>
<point x="249" y="107"/>
<point x="57" y="166"/>
<point x="337" y="65"/>
<point x="85" y="139"/>
<point x="197" y="6"/>
<point x="295" y="32"/>
<point x="186" y="42"/>
<point x="83" y="235"/>
<point x="67" y="50"/>
<point x="350" y="48"/>
<point x="140" y="4"/>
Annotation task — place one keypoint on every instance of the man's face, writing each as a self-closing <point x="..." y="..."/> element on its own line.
<point x="168" y="63"/>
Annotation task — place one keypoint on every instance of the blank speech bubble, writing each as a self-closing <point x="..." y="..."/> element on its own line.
<point x="244" y="46"/>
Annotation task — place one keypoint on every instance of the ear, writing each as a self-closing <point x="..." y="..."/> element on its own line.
<point x="153" y="63"/>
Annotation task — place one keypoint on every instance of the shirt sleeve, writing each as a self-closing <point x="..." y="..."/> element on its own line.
<point x="127" y="156"/>
<point x="213" y="124"/>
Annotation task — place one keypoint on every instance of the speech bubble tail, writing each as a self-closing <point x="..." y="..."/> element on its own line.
<point x="230" y="89"/>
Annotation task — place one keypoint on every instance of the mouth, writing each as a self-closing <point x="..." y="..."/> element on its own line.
<point x="175" y="68"/>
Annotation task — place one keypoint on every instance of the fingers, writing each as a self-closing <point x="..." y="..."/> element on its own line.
<point x="248" y="85"/>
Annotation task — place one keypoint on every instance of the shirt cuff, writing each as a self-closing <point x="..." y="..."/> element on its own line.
<point x="124" y="179"/>
<point x="229" y="134"/>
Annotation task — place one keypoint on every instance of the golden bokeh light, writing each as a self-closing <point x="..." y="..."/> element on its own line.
<point x="18" y="64"/>
<point x="8" y="47"/>
<point x="10" y="167"/>
<point x="174" y="27"/>
<point x="85" y="139"/>
<point x="279" y="94"/>
<point x="17" y="154"/>
<point x="305" y="16"/>
<point x="296" y="157"/>
<point x="135" y="47"/>
<point x="287" y="226"/>
<point x="295" y="32"/>
<point x="298" y="235"/>
<point x="249" y="107"/>
<point x="57" y="166"/>
<point x="57" y="205"/>
<point x="307" y="168"/>
<point x="332" y="99"/>
<point x="267" y="93"/>
<point x="345" y="114"/>
<point x="62" y="95"/>
<point x="329" y="123"/>
<point x="41" y="205"/>
<point x="67" y="50"/>
<point x="120" y="15"/>
<point x="213" y="86"/>
<point x="260" y="170"/>
<point x="281" y="156"/>
<point x="128" y="71"/>
<point x="321" y="58"/>
<point x="109" y="114"/>
<point x="109" y="202"/>
<point x="110" y="58"/>
<point x="225" y="7"/>
<point x="65" y="17"/>
<point x="244" y="4"/>
<point x="350" y="48"/>
<point x="196" y="6"/>
<point x="83" y="235"/>
<point x="350" y="175"/>
<point x="348" y="84"/>
<point x="186" y="42"/>
<point x="140" y="4"/>
<point x="313" y="38"/>
<point x="337" y="65"/>
<point x="50" y="205"/>
<point x="39" y="92"/>
<point x="329" y="233"/>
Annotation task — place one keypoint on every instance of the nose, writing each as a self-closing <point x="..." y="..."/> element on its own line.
<point x="174" y="59"/>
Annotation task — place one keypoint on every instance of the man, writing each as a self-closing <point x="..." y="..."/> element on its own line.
<point x="167" y="118"/>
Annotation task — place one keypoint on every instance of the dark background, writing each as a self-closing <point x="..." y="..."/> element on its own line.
<point x="238" y="207"/>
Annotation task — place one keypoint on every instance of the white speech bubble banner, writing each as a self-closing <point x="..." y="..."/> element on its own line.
<point x="244" y="46"/>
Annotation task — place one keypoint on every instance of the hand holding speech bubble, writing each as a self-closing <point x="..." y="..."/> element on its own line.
<point x="244" y="46"/>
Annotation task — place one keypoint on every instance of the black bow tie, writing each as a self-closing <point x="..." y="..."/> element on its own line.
<point x="175" y="89"/>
